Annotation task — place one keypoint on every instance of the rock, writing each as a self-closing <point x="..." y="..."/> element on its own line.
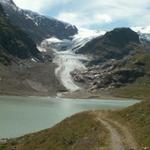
<point x="126" y="75"/>
<point x="139" y="63"/>
<point x="109" y="76"/>
<point x="115" y="44"/>
<point x="121" y="37"/>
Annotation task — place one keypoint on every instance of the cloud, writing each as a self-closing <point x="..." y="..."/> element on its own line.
<point x="107" y="12"/>
<point x="102" y="18"/>
<point x="81" y="20"/>
<point x="39" y="4"/>
<point x="93" y="13"/>
<point x="119" y="9"/>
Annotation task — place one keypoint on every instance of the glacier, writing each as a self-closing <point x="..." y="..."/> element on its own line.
<point x="65" y="57"/>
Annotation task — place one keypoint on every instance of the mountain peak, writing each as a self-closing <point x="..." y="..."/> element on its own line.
<point x="37" y="26"/>
<point x="7" y="2"/>
<point x="120" y="37"/>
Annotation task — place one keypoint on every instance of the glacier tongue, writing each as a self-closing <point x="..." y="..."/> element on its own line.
<point x="65" y="57"/>
<point x="67" y="62"/>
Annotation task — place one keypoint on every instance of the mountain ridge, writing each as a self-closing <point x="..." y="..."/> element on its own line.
<point x="14" y="42"/>
<point x="37" y="26"/>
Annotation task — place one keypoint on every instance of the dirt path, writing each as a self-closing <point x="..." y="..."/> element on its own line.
<point x="120" y="137"/>
<point x="116" y="138"/>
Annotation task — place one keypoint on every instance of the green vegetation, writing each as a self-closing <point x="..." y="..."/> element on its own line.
<point x="79" y="132"/>
<point x="140" y="89"/>
<point x="137" y="118"/>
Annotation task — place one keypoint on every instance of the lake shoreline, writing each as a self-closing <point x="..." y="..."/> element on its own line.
<point x="68" y="96"/>
<point x="23" y="115"/>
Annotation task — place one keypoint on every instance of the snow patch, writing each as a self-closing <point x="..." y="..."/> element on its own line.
<point x="86" y="33"/>
<point x="84" y="36"/>
<point x="53" y="40"/>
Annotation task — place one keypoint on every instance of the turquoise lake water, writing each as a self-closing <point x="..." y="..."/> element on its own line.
<point x="23" y="115"/>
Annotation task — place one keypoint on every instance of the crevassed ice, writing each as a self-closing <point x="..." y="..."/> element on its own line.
<point x="66" y="58"/>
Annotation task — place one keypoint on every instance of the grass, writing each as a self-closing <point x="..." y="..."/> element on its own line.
<point x="79" y="132"/>
<point x="140" y="89"/>
<point x="137" y="118"/>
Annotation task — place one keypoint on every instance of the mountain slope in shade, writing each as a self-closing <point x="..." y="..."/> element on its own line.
<point x="14" y="42"/>
<point x="113" y="45"/>
<point x="22" y="71"/>
<point x="37" y="26"/>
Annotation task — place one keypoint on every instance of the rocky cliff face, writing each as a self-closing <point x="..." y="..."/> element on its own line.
<point x="38" y="27"/>
<point x="14" y="42"/>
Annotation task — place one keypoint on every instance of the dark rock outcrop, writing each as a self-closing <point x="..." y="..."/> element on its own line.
<point x="109" y="75"/>
<point x="120" y="37"/>
<point x="14" y="42"/>
<point x="113" y="45"/>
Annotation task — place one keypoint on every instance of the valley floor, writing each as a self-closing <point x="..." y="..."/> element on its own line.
<point x="29" y="79"/>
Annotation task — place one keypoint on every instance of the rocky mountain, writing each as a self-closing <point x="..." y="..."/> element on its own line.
<point x="23" y="69"/>
<point x="37" y="26"/>
<point x="113" y="45"/>
<point x="14" y="42"/>
<point x="119" y="58"/>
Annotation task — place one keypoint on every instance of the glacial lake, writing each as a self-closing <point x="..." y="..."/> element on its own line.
<point x="23" y="115"/>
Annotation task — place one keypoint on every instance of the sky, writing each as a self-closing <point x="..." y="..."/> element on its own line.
<point x="93" y="14"/>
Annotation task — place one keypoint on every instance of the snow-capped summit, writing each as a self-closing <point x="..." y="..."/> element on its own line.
<point x="37" y="26"/>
